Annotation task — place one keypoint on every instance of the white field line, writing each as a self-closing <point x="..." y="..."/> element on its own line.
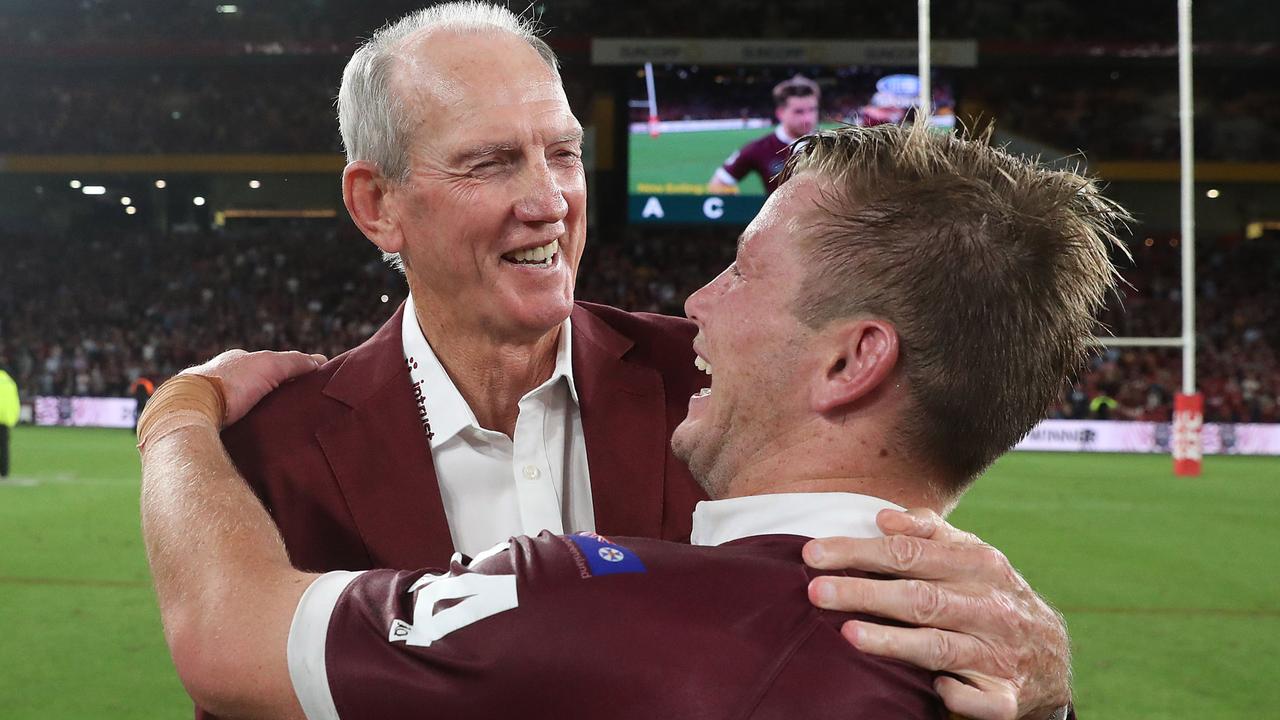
<point x="24" y="481"/>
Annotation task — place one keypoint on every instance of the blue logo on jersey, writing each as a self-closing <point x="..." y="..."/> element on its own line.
<point x="605" y="557"/>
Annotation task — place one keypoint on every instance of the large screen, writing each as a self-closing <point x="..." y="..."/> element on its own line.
<point x="704" y="140"/>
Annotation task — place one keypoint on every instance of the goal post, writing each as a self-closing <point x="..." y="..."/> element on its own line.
<point x="1188" y="405"/>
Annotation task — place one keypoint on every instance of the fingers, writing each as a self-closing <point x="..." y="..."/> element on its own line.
<point x="936" y="650"/>
<point x="921" y="523"/>
<point x="985" y="696"/>
<point x="280" y="366"/>
<point x="975" y="704"/>
<point x="918" y="602"/>
<point x="908" y="557"/>
<point x="248" y="377"/>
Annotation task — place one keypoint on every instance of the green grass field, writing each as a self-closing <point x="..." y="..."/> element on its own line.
<point x="687" y="158"/>
<point x="1169" y="586"/>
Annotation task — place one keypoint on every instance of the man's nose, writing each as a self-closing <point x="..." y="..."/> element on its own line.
<point x="543" y="199"/>
<point x="695" y="304"/>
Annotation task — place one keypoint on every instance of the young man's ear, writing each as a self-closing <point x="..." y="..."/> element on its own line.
<point x="860" y="358"/>
<point x="366" y="193"/>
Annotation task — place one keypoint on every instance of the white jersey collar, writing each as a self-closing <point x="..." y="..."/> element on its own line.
<point x="813" y="515"/>
<point x="438" y="398"/>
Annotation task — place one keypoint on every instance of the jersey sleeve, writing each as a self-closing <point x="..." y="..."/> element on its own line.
<point x="306" y="649"/>
<point x="371" y="644"/>
<point x="737" y="165"/>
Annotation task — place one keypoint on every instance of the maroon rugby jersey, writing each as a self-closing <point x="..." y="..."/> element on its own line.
<point x="583" y="626"/>
<point x="767" y="156"/>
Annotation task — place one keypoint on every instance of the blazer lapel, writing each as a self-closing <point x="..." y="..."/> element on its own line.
<point x="624" y="425"/>
<point x="381" y="458"/>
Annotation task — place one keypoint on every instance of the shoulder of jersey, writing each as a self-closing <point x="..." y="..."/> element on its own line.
<point x="597" y="556"/>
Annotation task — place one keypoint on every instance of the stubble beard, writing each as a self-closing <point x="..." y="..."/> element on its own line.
<point x="704" y="458"/>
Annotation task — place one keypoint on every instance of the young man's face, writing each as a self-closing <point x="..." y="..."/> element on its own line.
<point x="799" y="115"/>
<point x="748" y="333"/>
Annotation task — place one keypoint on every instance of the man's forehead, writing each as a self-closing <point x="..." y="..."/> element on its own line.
<point x="451" y="67"/>
<point x="528" y="123"/>
<point x="786" y="213"/>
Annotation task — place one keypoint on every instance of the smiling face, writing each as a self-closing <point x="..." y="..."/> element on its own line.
<point x="493" y="214"/>
<point x="750" y="338"/>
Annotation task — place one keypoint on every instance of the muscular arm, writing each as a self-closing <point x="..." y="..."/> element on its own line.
<point x="226" y="590"/>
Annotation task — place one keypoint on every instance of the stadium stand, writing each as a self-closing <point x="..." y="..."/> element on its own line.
<point x="258" y="106"/>
<point x="139" y="304"/>
<point x="112" y="77"/>
<point x="335" y="21"/>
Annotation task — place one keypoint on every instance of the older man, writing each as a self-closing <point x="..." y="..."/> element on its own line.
<point x="842" y="387"/>
<point x="491" y="404"/>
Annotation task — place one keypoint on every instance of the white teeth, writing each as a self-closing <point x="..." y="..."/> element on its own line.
<point x="539" y="255"/>
<point x="701" y="364"/>
<point x="704" y="392"/>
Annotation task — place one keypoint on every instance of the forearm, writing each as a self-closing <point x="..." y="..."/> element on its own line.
<point x="225" y="587"/>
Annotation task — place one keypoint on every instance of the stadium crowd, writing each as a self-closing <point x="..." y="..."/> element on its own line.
<point x="1238" y="335"/>
<point x="128" y="304"/>
<point x="266" y="106"/>
<point x="110" y="76"/>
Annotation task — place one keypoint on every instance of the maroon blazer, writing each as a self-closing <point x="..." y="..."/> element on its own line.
<point x="340" y="459"/>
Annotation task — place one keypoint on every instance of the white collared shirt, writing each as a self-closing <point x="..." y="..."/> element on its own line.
<point x="494" y="487"/>
<point x="813" y="515"/>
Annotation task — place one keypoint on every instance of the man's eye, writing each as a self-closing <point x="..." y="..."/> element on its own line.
<point x="734" y="269"/>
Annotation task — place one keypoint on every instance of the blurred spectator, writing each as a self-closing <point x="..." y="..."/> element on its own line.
<point x="9" y="411"/>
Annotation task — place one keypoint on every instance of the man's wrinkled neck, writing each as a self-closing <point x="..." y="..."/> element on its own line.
<point x="491" y="372"/>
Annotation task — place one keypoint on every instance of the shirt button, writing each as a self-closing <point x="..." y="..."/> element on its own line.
<point x="531" y="472"/>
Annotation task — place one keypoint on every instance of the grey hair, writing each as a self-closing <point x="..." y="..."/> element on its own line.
<point x="370" y="114"/>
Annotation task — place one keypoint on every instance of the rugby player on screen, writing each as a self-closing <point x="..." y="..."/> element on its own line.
<point x="796" y="108"/>
<point x="899" y="315"/>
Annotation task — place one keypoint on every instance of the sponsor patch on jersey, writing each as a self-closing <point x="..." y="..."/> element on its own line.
<point x="605" y="557"/>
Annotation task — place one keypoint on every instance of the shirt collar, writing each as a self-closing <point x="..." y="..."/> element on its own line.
<point x="440" y="400"/>
<point x="564" y="360"/>
<point x="716" y="522"/>
<point x="782" y="135"/>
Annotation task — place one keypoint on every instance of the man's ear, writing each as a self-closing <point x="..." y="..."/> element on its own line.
<point x="366" y="193"/>
<point x="861" y="357"/>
